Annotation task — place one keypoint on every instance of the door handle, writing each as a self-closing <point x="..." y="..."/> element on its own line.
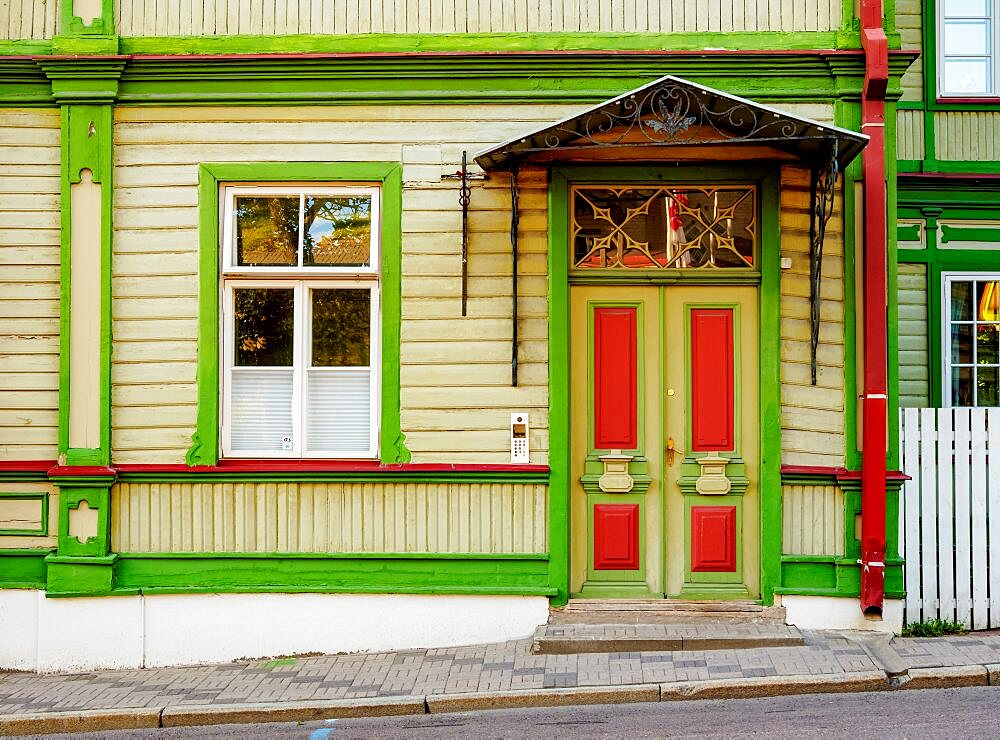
<point x="671" y="449"/>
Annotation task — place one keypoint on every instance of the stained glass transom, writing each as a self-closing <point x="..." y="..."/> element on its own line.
<point x="659" y="227"/>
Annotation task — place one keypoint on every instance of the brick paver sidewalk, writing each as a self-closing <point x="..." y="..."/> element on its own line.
<point x="476" y="668"/>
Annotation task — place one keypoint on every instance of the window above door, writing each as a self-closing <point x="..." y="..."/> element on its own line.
<point x="649" y="227"/>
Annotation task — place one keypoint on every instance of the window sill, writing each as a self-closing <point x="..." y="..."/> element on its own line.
<point x="992" y="100"/>
<point x="310" y="468"/>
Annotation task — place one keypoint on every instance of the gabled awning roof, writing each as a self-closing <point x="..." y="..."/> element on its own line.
<point x="671" y="112"/>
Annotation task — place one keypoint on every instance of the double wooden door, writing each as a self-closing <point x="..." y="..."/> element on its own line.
<point x="665" y="442"/>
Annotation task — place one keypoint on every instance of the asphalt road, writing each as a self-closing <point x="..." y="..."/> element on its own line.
<point x="939" y="713"/>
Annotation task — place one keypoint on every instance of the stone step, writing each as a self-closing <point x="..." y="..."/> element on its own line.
<point x="665" y="611"/>
<point x="562" y="639"/>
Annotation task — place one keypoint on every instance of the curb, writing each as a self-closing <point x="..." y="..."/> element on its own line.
<point x="99" y="720"/>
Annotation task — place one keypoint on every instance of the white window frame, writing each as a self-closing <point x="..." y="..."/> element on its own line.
<point x="991" y="55"/>
<point x="302" y="280"/>
<point x="947" y="278"/>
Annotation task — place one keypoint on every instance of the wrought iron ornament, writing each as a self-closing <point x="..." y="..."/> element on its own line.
<point x="515" y="219"/>
<point x="672" y="114"/>
<point x="823" y="186"/>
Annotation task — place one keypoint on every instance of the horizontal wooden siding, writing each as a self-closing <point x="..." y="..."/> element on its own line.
<point x="329" y="517"/>
<point x="29" y="283"/>
<point x="914" y="380"/>
<point x="455" y="371"/>
<point x="812" y="417"/>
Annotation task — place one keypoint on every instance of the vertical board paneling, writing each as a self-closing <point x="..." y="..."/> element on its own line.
<point x="616" y="402"/>
<point x="330" y="517"/>
<point x="914" y="379"/>
<point x="29" y="283"/>
<point x="910" y="134"/>
<point x="950" y="507"/>
<point x="967" y="135"/>
<point x="28" y="19"/>
<point x="812" y="416"/>
<point x="812" y="520"/>
<point x="229" y="17"/>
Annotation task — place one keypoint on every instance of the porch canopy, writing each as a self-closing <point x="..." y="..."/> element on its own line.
<point x="672" y="112"/>
<point x="673" y="119"/>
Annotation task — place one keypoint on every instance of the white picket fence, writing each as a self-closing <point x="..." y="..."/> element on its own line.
<point x="949" y="518"/>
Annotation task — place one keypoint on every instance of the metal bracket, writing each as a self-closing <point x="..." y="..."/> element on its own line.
<point x="823" y="186"/>
<point x="515" y="219"/>
<point x="464" y="198"/>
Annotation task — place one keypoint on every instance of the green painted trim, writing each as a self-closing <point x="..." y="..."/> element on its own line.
<point x="43" y="498"/>
<point x="769" y="405"/>
<point x="285" y="574"/>
<point x="80" y="576"/>
<point x="86" y="131"/>
<point x="892" y="302"/>
<point x="490" y="42"/>
<point x="848" y="115"/>
<point x="96" y="497"/>
<point x="205" y="441"/>
<point x="23" y="567"/>
<point x="667" y="276"/>
<point x="958" y="233"/>
<point x="559" y="381"/>
<point x="908" y="233"/>
<point x="72" y="25"/>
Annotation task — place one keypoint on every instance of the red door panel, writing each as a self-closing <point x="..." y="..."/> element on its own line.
<point x="616" y="536"/>
<point x="713" y="539"/>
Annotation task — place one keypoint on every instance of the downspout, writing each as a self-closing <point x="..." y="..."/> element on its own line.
<point x="875" y="395"/>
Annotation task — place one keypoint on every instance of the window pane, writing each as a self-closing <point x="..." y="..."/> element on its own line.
<point x="961" y="301"/>
<point x="267" y="231"/>
<point x="961" y="344"/>
<point x="338" y="230"/>
<point x="341" y="327"/>
<point x="338" y="409"/>
<point x="986" y="344"/>
<point x="264" y="326"/>
<point x="966" y="8"/>
<point x="966" y="38"/>
<point x="961" y="386"/>
<point x="967" y="76"/>
<point x="648" y="227"/>
<point x="987" y="301"/>
<point x="986" y="386"/>
<point x="261" y="416"/>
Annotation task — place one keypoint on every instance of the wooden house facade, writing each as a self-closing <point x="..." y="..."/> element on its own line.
<point x="391" y="323"/>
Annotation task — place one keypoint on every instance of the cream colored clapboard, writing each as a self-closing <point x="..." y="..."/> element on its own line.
<point x="967" y="135"/>
<point x="28" y="19"/>
<point x="29" y="283"/>
<point x="911" y="282"/>
<point x="369" y="517"/>
<point x="456" y="393"/>
<point x="812" y="417"/>
<point x="812" y="520"/>
<point x="909" y="25"/>
<point x="248" y="17"/>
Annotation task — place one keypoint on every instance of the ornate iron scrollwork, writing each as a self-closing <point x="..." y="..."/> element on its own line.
<point x="676" y="114"/>
<point x="823" y="186"/>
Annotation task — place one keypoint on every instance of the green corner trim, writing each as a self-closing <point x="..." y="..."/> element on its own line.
<point x="23" y="567"/>
<point x="205" y="441"/>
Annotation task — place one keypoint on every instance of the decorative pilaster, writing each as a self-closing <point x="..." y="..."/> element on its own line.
<point x="85" y="88"/>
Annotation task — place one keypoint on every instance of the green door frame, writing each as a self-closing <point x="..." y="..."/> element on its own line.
<point x="769" y="328"/>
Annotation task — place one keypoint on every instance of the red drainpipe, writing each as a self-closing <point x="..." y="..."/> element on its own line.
<point x="875" y="396"/>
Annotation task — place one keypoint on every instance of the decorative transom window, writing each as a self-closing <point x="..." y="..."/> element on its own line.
<point x="972" y="339"/>
<point x="967" y="37"/>
<point x="300" y="295"/>
<point x="664" y="227"/>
